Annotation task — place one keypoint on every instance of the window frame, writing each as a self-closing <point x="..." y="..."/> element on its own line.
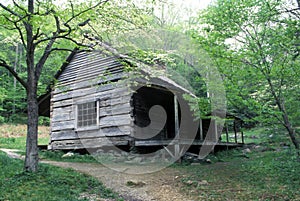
<point x="91" y="127"/>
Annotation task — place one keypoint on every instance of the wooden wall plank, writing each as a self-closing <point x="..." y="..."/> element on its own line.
<point x="89" y="143"/>
<point x="92" y="90"/>
<point x="107" y="93"/>
<point x="104" y="132"/>
<point x="124" y="108"/>
<point x="84" y="61"/>
<point x="90" y="76"/>
<point x="64" y="135"/>
<point x="58" y="116"/>
<point x="118" y="120"/>
<point x="78" y="84"/>
<point x="92" y="69"/>
<point x="62" y="125"/>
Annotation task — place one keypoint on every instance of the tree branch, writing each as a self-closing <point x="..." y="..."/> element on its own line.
<point x="21" y="35"/>
<point x="13" y="72"/>
<point x="18" y="6"/>
<point x="298" y="2"/>
<point x="72" y="8"/>
<point x="61" y="49"/>
<point x="56" y="33"/>
<point x="10" y="11"/>
<point x="7" y="28"/>
<point x="86" y="10"/>
<point x="43" y="59"/>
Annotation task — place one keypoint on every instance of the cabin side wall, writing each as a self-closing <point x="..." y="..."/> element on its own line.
<point x="91" y="79"/>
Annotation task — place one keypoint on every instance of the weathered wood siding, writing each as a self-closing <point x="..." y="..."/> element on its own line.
<point x="90" y="77"/>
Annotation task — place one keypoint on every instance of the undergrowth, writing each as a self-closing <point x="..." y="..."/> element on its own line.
<point x="58" y="156"/>
<point x="234" y="175"/>
<point x="48" y="184"/>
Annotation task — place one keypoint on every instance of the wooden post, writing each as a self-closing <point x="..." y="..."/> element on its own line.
<point x="226" y="130"/>
<point x="235" y="131"/>
<point x="216" y="130"/>
<point x="201" y="130"/>
<point x="177" y="137"/>
<point x="243" y="140"/>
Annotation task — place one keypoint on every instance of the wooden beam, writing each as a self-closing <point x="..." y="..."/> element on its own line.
<point x="201" y="129"/>
<point x="176" y="146"/>
<point x="169" y="152"/>
<point x="181" y="142"/>
<point x="216" y="130"/>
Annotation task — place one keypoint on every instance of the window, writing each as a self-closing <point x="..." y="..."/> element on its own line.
<point x="87" y="114"/>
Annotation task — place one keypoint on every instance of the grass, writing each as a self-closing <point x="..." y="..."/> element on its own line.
<point x="268" y="172"/>
<point x="257" y="136"/>
<point x="14" y="136"/>
<point x="258" y="175"/>
<point x="48" y="184"/>
<point x="267" y="137"/>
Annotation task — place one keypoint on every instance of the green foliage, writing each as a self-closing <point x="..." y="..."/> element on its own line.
<point x="76" y="21"/>
<point x="11" y="97"/>
<point x="49" y="183"/>
<point x="254" y="45"/>
<point x="44" y="121"/>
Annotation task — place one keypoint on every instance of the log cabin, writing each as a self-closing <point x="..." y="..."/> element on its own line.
<point x="99" y="101"/>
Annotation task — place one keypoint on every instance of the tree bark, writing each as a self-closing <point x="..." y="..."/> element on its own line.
<point x="291" y="131"/>
<point x="286" y="122"/>
<point x="31" y="159"/>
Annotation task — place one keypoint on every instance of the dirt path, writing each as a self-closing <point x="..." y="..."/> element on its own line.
<point x="161" y="185"/>
<point x="154" y="186"/>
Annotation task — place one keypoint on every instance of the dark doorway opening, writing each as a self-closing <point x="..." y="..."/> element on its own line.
<point x="146" y="98"/>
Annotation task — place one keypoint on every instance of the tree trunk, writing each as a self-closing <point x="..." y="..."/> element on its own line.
<point x="286" y="122"/>
<point x="31" y="160"/>
<point x="291" y="131"/>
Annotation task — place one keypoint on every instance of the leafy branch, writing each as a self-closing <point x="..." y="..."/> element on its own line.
<point x="13" y="72"/>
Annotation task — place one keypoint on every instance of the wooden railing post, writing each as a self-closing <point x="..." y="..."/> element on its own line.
<point x="235" y="131"/>
<point x="226" y="131"/>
